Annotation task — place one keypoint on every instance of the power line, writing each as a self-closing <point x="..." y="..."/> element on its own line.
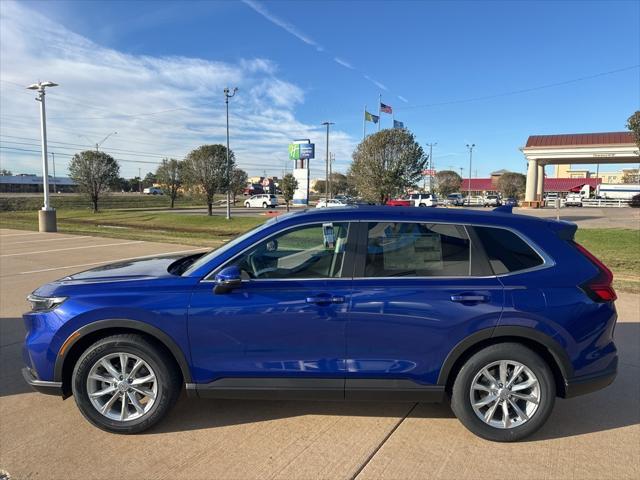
<point x="524" y="90"/>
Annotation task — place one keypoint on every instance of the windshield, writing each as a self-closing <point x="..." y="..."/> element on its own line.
<point x="213" y="253"/>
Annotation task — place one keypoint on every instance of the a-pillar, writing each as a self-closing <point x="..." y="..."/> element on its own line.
<point x="540" y="183"/>
<point x="532" y="181"/>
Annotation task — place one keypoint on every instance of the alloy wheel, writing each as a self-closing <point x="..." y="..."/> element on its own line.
<point x="505" y="394"/>
<point x="122" y="386"/>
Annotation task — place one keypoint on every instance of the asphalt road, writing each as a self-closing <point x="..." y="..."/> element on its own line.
<point x="595" y="436"/>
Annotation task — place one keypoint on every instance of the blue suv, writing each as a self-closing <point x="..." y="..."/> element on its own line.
<point x="499" y="312"/>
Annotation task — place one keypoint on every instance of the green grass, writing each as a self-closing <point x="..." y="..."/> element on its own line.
<point x="17" y="202"/>
<point x="199" y="230"/>
<point x="619" y="249"/>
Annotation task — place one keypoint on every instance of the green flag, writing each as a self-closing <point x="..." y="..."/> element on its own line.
<point x="369" y="117"/>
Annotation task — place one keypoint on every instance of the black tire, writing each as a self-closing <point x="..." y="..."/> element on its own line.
<point x="166" y="372"/>
<point x="461" y="395"/>
<point x="247" y="205"/>
<point x="264" y="205"/>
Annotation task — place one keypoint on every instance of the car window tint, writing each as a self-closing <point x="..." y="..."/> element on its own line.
<point x="506" y="251"/>
<point x="417" y="250"/>
<point x="311" y="251"/>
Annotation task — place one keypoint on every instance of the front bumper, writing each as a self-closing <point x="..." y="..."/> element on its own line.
<point x="590" y="383"/>
<point x="48" y="388"/>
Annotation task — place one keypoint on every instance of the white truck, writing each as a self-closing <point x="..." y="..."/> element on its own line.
<point x="423" y="200"/>
<point x="618" y="191"/>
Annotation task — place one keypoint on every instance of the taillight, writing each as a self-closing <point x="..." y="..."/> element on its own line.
<point x="599" y="289"/>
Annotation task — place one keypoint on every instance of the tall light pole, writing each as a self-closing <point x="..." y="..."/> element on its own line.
<point x="99" y="144"/>
<point x="47" y="215"/>
<point x="227" y="96"/>
<point x="470" y="147"/>
<point x="53" y="161"/>
<point x="326" y="166"/>
<point x="431" y="165"/>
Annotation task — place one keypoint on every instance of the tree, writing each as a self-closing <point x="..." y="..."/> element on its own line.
<point x="205" y="171"/>
<point x="633" y="124"/>
<point x="448" y="182"/>
<point x="135" y="184"/>
<point x="511" y="184"/>
<point x="631" y="176"/>
<point x="149" y="180"/>
<point x="121" y="184"/>
<point x="386" y="163"/>
<point x="4" y="172"/>
<point x="94" y="172"/>
<point x="169" y="177"/>
<point x="288" y="186"/>
<point x="338" y="184"/>
<point x="239" y="181"/>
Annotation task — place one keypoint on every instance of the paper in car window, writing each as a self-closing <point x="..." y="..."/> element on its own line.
<point x="408" y="252"/>
<point x="328" y="235"/>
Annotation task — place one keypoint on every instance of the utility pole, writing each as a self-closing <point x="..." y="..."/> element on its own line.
<point x="431" y="165"/>
<point x="53" y="160"/>
<point x="332" y="159"/>
<point x="140" y="180"/>
<point x="227" y="96"/>
<point x="470" y="147"/>
<point x="326" y="166"/>
<point x="47" y="215"/>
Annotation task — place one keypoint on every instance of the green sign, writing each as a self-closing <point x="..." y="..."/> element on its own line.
<point x="294" y="151"/>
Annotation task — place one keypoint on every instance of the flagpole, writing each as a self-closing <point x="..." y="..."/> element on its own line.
<point x="364" y="123"/>
<point x="379" y="110"/>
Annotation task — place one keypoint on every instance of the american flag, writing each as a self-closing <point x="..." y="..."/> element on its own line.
<point x="385" y="108"/>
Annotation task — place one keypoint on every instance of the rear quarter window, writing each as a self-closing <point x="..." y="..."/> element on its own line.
<point x="506" y="251"/>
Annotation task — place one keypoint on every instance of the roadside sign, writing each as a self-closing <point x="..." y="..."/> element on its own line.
<point x="428" y="173"/>
<point x="302" y="151"/>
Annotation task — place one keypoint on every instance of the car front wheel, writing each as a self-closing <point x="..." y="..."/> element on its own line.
<point x="247" y="205"/>
<point x="123" y="384"/>
<point x="504" y="392"/>
<point x="264" y="205"/>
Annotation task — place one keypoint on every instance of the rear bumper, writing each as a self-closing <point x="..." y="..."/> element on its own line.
<point x="48" y="388"/>
<point x="590" y="383"/>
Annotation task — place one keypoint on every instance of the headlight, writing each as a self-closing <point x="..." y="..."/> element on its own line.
<point x="42" y="304"/>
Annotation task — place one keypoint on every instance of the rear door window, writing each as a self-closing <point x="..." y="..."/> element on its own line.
<point x="417" y="250"/>
<point x="506" y="251"/>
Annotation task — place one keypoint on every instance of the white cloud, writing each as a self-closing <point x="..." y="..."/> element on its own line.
<point x="158" y="105"/>
<point x="403" y="99"/>
<point x="344" y="63"/>
<point x="262" y="10"/>
<point x="376" y="83"/>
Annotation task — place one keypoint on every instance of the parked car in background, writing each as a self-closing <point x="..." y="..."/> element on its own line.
<point x="399" y="202"/>
<point x="424" y="200"/>
<point x="332" y="202"/>
<point x="455" y="199"/>
<point x="264" y="200"/>
<point x="253" y="189"/>
<point x="511" y="202"/>
<point x="492" y="201"/>
<point x="153" y="191"/>
<point x="573" y="200"/>
<point x="501" y="312"/>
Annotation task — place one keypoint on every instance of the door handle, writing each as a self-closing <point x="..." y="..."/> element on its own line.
<point x="326" y="299"/>
<point x="469" y="298"/>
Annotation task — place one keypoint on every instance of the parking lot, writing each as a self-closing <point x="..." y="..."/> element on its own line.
<point x="595" y="436"/>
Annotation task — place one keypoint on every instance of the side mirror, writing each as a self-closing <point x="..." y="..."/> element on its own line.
<point x="227" y="279"/>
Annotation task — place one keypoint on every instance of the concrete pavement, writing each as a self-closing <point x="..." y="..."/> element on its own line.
<point x="595" y="436"/>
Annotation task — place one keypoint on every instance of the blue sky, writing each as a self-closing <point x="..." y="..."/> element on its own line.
<point x="300" y="63"/>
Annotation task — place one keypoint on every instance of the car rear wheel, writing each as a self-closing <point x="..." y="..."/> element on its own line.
<point x="264" y="205"/>
<point x="123" y="384"/>
<point x="247" y="205"/>
<point x="504" y="392"/>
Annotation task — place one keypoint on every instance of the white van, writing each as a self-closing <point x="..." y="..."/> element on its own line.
<point x="262" y="201"/>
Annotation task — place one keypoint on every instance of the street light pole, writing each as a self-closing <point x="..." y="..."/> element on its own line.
<point x="470" y="147"/>
<point x="53" y="160"/>
<point x="47" y="215"/>
<point x="431" y="165"/>
<point x="326" y="166"/>
<point x="227" y="96"/>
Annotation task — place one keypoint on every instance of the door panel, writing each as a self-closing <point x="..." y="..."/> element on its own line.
<point x="276" y="328"/>
<point x="420" y="288"/>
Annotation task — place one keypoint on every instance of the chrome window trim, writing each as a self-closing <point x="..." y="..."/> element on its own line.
<point x="547" y="261"/>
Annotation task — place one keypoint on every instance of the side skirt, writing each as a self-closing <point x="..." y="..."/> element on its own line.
<point x="376" y="390"/>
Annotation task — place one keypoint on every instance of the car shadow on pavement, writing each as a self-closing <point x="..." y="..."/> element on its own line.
<point x="614" y="407"/>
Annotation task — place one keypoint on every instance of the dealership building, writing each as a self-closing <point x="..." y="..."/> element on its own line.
<point x="25" y="183"/>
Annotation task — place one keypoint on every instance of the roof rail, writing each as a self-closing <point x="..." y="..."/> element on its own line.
<point x="504" y="209"/>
